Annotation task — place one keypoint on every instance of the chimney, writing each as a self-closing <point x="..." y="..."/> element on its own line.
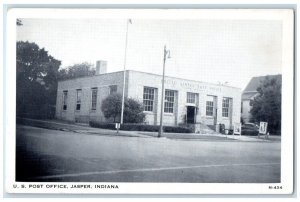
<point x="101" y="67"/>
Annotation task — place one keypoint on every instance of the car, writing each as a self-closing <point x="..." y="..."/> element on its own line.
<point x="250" y="129"/>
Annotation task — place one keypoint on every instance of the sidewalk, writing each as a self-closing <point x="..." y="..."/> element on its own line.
<point x="189" y="136"/>
<point x="249" y="139"/>
<point x="86" y="129"/>
<point x="76" y="128"/>
<point x="262" y="138"/>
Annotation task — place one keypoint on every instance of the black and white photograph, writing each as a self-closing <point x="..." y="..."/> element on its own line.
<point x="162" y="100"/>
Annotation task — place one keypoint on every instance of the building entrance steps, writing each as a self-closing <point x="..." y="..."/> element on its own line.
<point x="204" y="129"/>
<point x="200" y="128"/>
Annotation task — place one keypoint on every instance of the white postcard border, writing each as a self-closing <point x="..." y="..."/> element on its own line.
<point x="287" y="150"/>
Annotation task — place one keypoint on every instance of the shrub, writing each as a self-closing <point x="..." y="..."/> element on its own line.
<point x="133" y="109"/>
<point x="102" y="125"/>
<point x="111" y="106"/>
<point x="140" y="127"/>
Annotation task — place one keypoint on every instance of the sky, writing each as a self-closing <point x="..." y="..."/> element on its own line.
<point x="215" y="51"/>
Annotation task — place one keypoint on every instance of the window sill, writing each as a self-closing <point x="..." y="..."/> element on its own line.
<point x="168" y="114"/>
<point x="148" y="112"/>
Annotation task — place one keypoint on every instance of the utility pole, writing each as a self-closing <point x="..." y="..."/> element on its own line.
<point x="166" y="52"/>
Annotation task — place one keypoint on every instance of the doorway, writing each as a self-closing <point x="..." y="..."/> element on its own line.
<point x="190" y="114"/>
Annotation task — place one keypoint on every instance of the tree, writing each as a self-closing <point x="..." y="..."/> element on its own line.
<point x="111" y="106"/>
<point x="36" y="81"/>
<point x="76" y="71"/>
<point x="267" y="105"/>
<point x="133" y="109"/>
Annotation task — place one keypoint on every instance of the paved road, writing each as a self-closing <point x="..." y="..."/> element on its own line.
<point x="52" y="155"/>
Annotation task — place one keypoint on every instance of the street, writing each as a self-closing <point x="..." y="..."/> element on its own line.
<point x="65" y="156"/>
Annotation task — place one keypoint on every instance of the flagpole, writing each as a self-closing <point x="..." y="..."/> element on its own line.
<point x="124" y="76"/>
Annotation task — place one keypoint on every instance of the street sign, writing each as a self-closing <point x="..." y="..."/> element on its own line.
<point x="263" y="126"/>
<point x="237" y="128"/>
<point x="117" y="125"/>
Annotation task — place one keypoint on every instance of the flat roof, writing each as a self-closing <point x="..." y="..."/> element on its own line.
<point x="171" y="77"/>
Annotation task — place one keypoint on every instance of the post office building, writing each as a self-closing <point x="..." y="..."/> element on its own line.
<point x="186" y="101"/>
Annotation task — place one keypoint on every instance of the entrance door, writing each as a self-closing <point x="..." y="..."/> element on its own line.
<point x="190" y="114"/>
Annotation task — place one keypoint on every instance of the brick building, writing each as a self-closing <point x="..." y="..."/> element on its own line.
<point x="186" y="101"/>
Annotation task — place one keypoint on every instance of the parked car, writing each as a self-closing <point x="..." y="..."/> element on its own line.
<point x="250" y="129"/>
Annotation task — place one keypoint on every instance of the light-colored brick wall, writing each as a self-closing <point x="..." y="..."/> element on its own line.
<point x="138" y="80"/>
<point x="135" y="83"/>
<point x="101" y="82"/>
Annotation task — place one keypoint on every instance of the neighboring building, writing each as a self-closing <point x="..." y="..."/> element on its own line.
<point x="249" y="94"/>
<point x="186" y="101"/>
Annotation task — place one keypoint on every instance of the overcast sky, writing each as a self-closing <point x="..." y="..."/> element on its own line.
<point x="205" y="50"/>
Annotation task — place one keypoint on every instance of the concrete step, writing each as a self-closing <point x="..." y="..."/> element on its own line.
<point x="201" y="129"/>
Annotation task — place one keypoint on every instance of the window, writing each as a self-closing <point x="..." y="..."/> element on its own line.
<point x="78" y="102"/>
<point x="209" y="108"/>
<point x="94" y="98"/>
<point x="225" y="107"/>
<point x="65" y="99"/>
<point x="241" y="107"/>
<point x="169" y="101"/>
<point x="113" y="89"/>
<point x="191" y="98"/>
<point x="210" y="100"/>
<point x="148" y="99"/>
<point x="251" y="103"/>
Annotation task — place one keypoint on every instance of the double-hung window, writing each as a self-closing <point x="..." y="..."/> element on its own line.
<point x="148" y="99"/>
<point x="225" y="107"/>
<point x="169" y="101"/>
<point x="191" y="98"/>
<point x="94" y="98"/>
<point x="65" y="99"/>
<point x="209" y="106"/>
<point x="78" y="100"/>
